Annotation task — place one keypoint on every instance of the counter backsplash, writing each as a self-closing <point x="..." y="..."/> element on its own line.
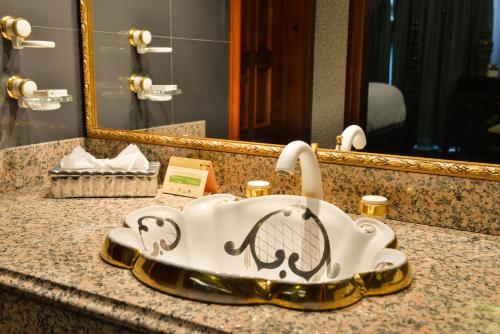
<point x="450" y="202"/>
<point x="26" y="166"/>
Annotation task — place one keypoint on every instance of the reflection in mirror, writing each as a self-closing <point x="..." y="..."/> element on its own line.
<point x="276" y="73"/>
<point x="429" y="83"/>
<point x="433" y="87"/>
<point x="137" y="42"/>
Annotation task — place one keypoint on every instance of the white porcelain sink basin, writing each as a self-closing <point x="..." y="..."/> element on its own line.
<point x="290" y="251"/>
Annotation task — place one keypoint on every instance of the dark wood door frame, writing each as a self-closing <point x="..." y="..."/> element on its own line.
<point x="235" y="68"/>
<point x="356" y="86"/>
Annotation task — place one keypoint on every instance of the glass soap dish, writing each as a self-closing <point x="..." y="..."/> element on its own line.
<point x="163" y="92"/>
<point x="159" y="95"/>
<point x="42" y="103"/>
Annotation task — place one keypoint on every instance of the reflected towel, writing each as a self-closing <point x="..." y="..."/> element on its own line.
<point x="386" y="106"/>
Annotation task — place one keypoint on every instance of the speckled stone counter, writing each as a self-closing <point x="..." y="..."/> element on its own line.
<point x="51" y="275"/>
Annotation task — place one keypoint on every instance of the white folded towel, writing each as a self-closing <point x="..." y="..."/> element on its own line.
<point x="131" y="158"/>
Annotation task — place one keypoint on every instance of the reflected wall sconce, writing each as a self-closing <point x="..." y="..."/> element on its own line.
<point x="145" y="90"/>
<point x="140" y="39"/>
<point x="17" y="30"/>
<point x="26" y="92"/>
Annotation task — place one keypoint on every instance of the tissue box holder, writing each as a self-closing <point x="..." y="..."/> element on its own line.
<point x="104" y="183"/>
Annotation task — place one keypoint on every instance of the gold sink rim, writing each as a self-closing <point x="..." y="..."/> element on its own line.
<point x="218" y="288"/>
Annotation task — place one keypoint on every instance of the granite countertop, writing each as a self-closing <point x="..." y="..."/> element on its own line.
<point x="50" y="248"/>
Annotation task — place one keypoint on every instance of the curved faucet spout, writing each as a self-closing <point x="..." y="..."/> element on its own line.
<point x="353" y="135"/>
<point x="312" y="185"/>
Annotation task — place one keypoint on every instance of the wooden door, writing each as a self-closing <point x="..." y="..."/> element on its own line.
<point x="276" y="70"/>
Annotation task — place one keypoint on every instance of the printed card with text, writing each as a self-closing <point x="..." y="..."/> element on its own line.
<point x="189" y="177"/>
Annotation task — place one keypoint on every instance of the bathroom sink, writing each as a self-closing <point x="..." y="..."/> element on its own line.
<point x="290" y="251"/>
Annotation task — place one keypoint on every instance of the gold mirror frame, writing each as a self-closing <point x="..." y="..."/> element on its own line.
<point x="360" y="159"/>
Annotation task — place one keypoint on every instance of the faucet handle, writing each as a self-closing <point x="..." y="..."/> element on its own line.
<point x="338" y="143"/>
<point x="257" y="189"/>
<point x="315" y="147"/>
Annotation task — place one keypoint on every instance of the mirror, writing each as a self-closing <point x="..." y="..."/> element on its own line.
<point x="181" y="79"/>
<point x="235" y="80"/>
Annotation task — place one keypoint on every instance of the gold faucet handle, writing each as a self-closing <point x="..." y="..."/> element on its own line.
<point x="315" y="147"/>
<point x="374" y="206"/>
<point x="257" y="189"/>
<point x="338" y="142"/>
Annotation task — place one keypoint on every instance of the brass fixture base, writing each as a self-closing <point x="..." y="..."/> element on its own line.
<point x="131" y="37"/>
<point x="5" y="32"/>
<point x="10" y="86"/>
<point x="133" y="87"/>
<point x="16" y="93"/>
<point x="3" y="26"/>
<point x="131" y="82"/>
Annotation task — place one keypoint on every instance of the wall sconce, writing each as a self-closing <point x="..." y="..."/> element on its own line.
<point x="140" y="39"/>
<point x="26" y="92"/>
<point x="17" y="30"/>
<point x="145" y="90"/>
